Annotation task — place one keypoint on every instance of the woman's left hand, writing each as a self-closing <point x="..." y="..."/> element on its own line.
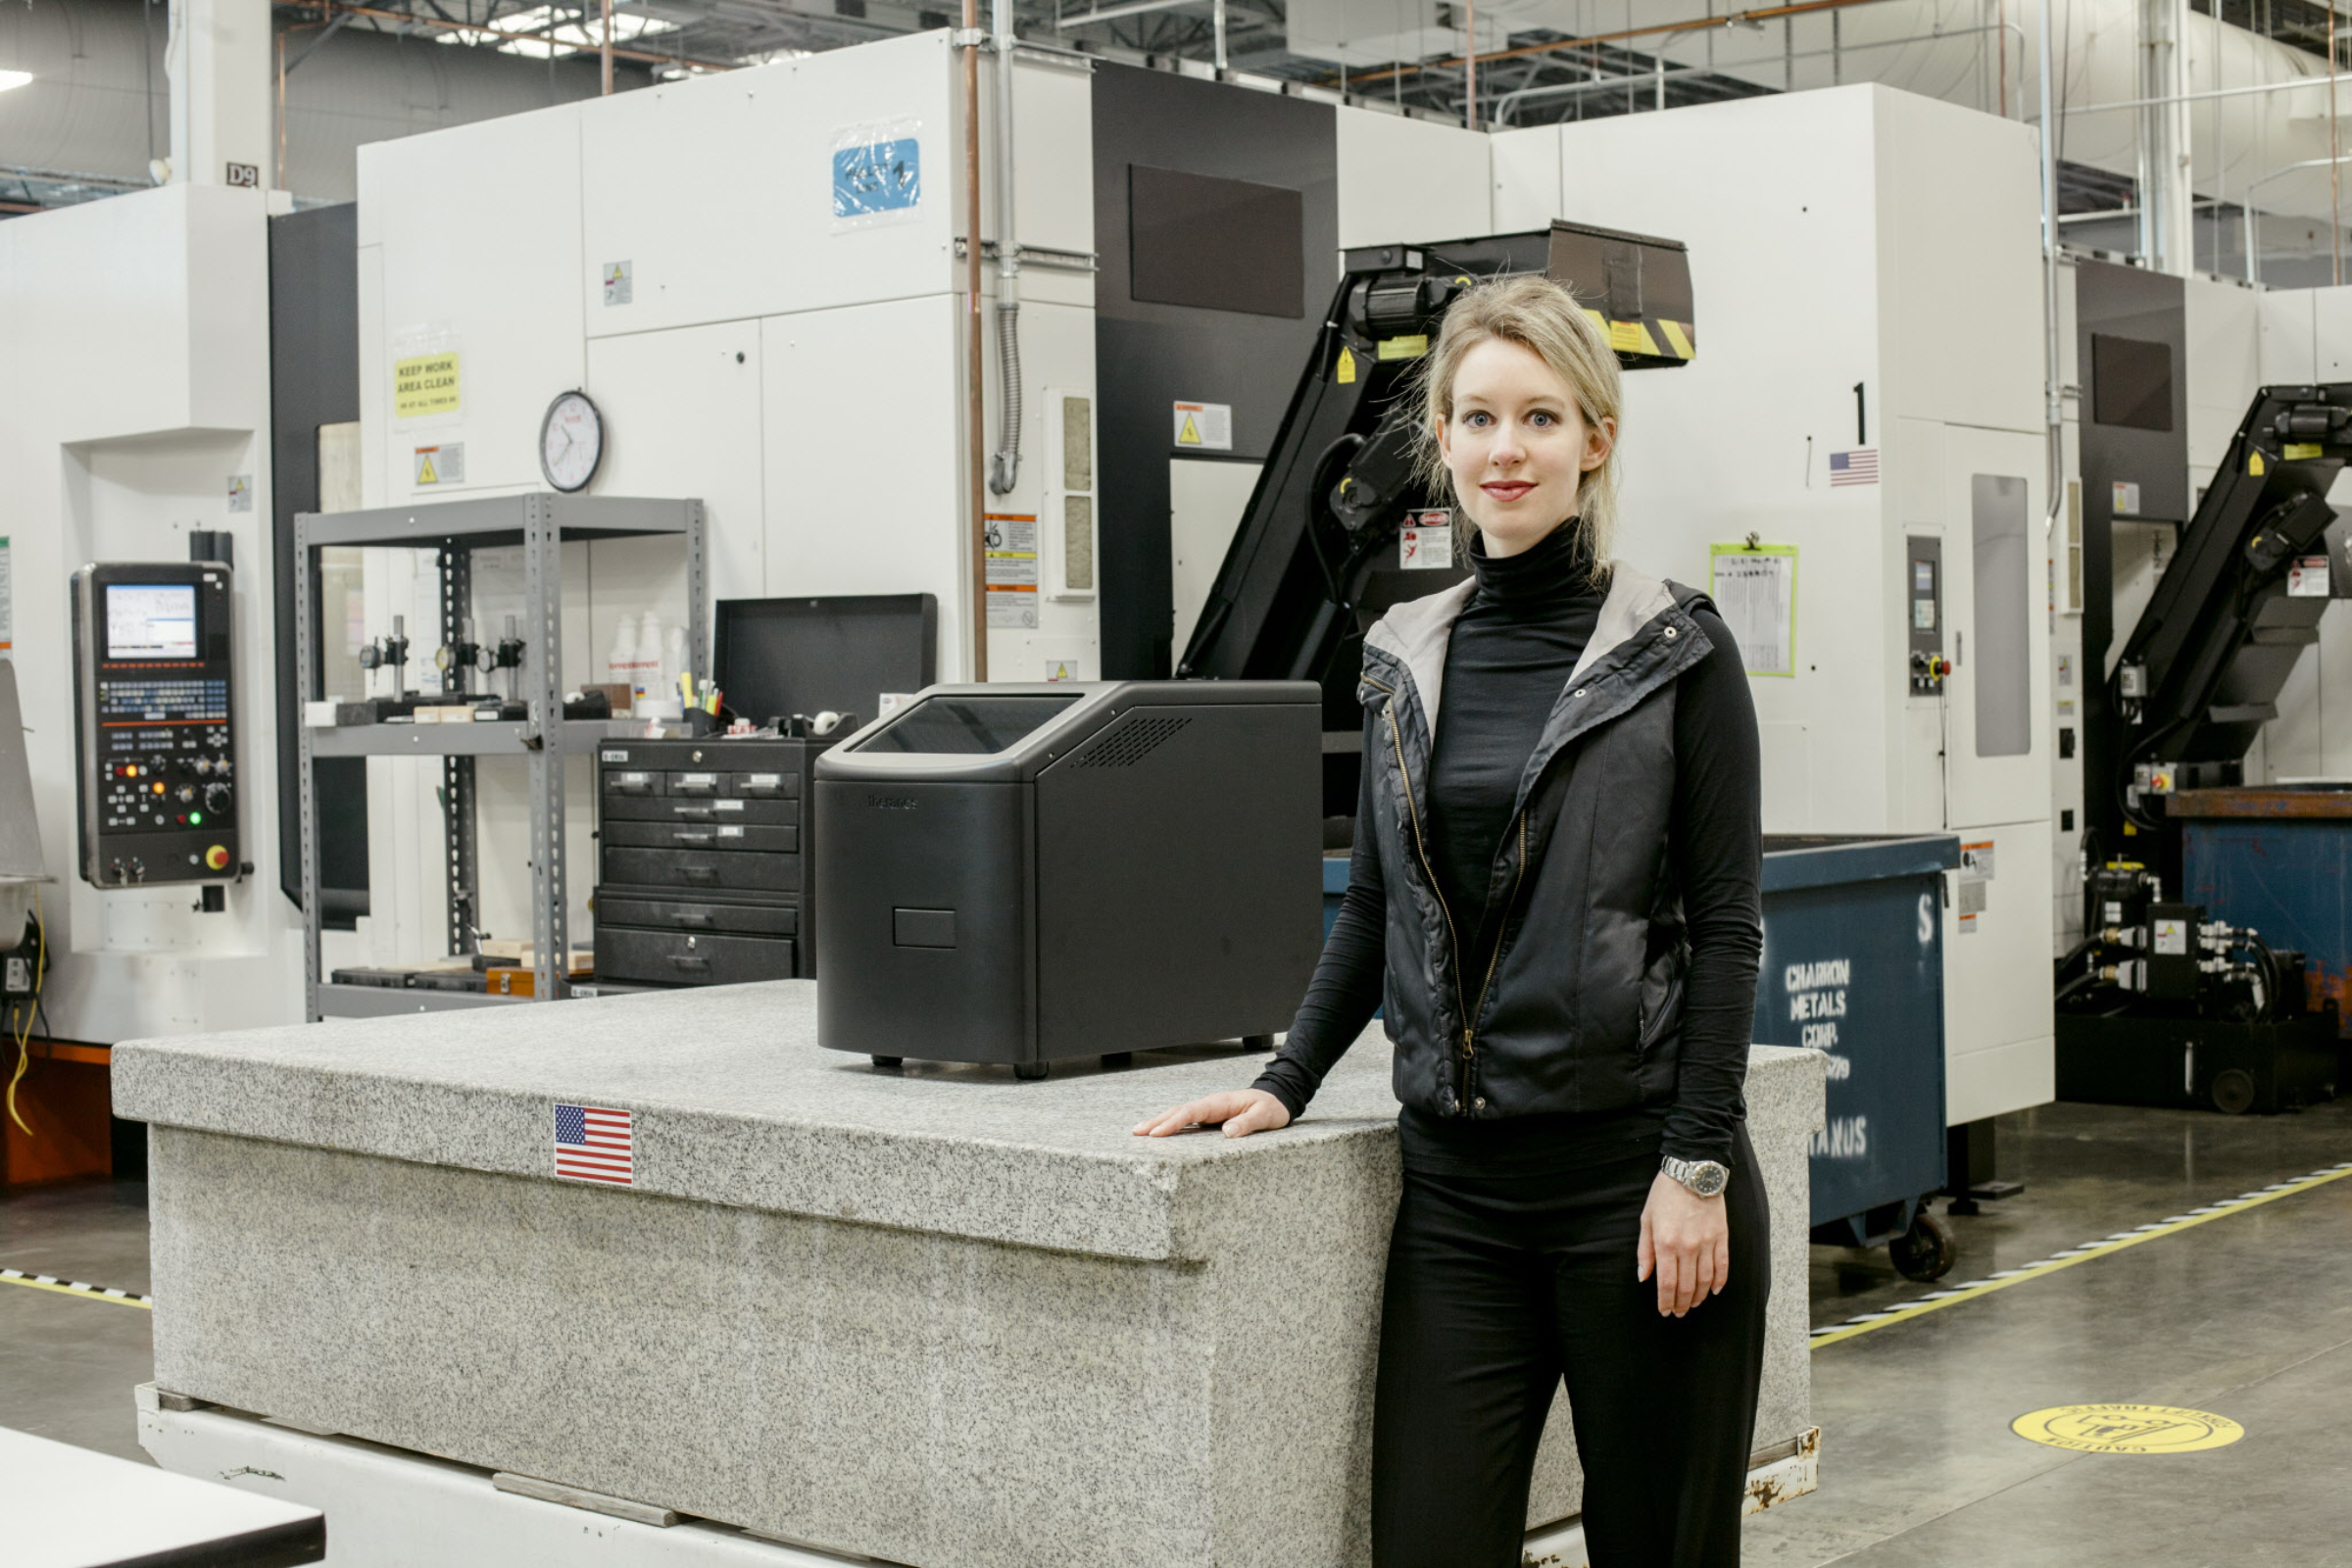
<point x="1687" y="1242"/>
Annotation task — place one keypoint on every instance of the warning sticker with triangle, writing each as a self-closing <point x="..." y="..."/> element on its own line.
<point x="1205" y="427"/>
<point x="439" y="465"/>
<point x="1345" y="374"/>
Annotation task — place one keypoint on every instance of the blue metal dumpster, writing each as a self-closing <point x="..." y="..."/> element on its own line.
<point x="1853" y="969"/>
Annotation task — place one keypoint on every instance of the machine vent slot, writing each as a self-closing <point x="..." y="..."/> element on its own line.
<point x="1130" y="743"/>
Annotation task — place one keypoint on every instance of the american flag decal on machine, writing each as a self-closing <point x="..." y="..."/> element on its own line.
<point x="1857" y="467"/>
<point x="596" y="1145"/>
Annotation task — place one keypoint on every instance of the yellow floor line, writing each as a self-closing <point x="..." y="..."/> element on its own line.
<point x="74" y="1287"/>
<point x="1905" y="1311"/>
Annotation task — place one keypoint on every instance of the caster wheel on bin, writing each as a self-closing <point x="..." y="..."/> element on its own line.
<point x="890" y="1062"/>
<point x="2232" y="1091"/>
<point x="1257" y="1042"/>
<point x="1030" y="1073"/>
<point x="1118" y="1058"/>
<point x="1927" y="1250"/>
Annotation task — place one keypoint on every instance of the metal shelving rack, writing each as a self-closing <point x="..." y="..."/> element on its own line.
<point x="540" y="522"/>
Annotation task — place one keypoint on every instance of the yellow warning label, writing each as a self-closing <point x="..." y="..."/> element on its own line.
<point x="1189" y="435"/>
<point x="1626" y="336"/>
<point x="1345" y="374"/>
<point x="425" y="384"/>
<point x="424" y="471"/>
<point x="2128" y="1429"/>
<point x="2254" y="464"/>
<point x="2297" y="451"/>
<point x="1409" y="347"/>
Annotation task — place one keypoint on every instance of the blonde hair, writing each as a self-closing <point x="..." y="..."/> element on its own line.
<point x="1543" y="317"/>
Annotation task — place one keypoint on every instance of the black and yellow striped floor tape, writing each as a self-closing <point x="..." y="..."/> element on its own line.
<point x="93" y="1293"/>
<point x="2002" y="1279"/>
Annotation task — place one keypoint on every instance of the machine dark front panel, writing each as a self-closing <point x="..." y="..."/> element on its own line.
<point x="2132" y="328"/>
<point x="1149" y="355"/>
<point x="933" y="847"/>
<point x="313" y="380"/>
<point x="1210" y="930"/>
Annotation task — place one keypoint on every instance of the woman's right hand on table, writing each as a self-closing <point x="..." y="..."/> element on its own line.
<point x="1240" y="1111"/>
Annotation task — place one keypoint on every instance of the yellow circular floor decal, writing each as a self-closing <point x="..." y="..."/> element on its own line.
<point x="2128" y="1429"/>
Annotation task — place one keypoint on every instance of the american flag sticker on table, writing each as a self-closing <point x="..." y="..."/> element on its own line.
<point x="1857" y="467"/>
<point x="596" y="1145"/>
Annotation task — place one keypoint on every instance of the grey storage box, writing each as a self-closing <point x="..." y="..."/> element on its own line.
<point x="1025" y="874"/>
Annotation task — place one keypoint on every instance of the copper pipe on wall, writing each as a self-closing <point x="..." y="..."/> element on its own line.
<point x="975" y="432"/>
<point x="606" y="50"/>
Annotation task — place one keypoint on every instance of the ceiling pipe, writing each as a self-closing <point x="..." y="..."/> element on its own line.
<point x="1754" y="18"/>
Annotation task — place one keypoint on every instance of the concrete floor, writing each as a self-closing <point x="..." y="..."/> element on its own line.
<point x="2249" y="1317"/>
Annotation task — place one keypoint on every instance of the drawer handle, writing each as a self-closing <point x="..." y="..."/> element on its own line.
<point x="696" y="922"/>
<point x="695" y="814"/>
<point x="698" y="965"/>
<point x="686" y="836"/>
<point x="698" y="873"/>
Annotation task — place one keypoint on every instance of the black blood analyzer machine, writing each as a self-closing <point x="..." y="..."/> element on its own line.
<point x="155" y="738"/>
<point x="1029" y="873"/>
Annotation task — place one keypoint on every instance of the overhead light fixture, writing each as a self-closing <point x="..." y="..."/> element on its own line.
<point x="14" y="78"/>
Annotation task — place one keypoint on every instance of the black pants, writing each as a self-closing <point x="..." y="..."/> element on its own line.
<point x="1497" y="1287"/>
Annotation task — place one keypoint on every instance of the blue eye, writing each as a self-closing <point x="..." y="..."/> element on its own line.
<point x="1543" y="418"/>
<point x="1475" y="418"/>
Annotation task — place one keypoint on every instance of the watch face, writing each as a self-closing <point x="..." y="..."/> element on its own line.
<point x="572" y="442"/>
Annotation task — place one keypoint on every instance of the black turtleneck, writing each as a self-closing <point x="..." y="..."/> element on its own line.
<point x="1510" y="652"/>
<point x="1509" y="658"/>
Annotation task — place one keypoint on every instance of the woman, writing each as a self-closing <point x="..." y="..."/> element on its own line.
<point x="1555" y="891"/>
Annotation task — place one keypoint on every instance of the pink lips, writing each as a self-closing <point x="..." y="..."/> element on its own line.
<point x="1507" y="490"/>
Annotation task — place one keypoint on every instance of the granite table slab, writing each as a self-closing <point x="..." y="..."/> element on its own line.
<point x="935" y="1316"/>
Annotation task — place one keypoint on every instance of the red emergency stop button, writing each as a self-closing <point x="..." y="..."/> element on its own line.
<point x="217" y="857"/>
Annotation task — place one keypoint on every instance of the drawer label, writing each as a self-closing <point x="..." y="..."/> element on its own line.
<point x="764" y="781"/>
<point x="632" y="778"/>
<point x="726" y="806"/>
<point x="731" y="830"/>
<point x="615" y="756"/>
<point x="698" y="778"/>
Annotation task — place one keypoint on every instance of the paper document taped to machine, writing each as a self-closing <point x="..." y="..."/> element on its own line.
<point x="1754" y="589"/>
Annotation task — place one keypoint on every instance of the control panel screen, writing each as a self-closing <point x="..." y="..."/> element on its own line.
<point x="150" y="621"/>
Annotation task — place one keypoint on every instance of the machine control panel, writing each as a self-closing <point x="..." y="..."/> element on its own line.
<point x="1922" y="594"/>
<point x="154" y="723"/>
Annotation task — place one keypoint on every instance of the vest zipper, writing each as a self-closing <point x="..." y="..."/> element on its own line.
<point x="1494" y="959"/>
<point x="1452" y="938"/>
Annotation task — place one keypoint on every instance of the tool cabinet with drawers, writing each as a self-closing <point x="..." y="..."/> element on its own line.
<point x="701" y="854"/>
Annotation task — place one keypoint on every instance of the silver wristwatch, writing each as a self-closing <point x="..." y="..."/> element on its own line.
<point x="1705" y="1177"/>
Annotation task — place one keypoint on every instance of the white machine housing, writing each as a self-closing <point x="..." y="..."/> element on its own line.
<point x="801" y="374"/>
<point x="1842" y="237"/>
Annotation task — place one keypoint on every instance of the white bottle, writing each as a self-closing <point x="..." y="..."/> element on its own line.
<point x="673" y="664"/>
<point x="653" y="698"/>
<point x="620" y="669"/>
